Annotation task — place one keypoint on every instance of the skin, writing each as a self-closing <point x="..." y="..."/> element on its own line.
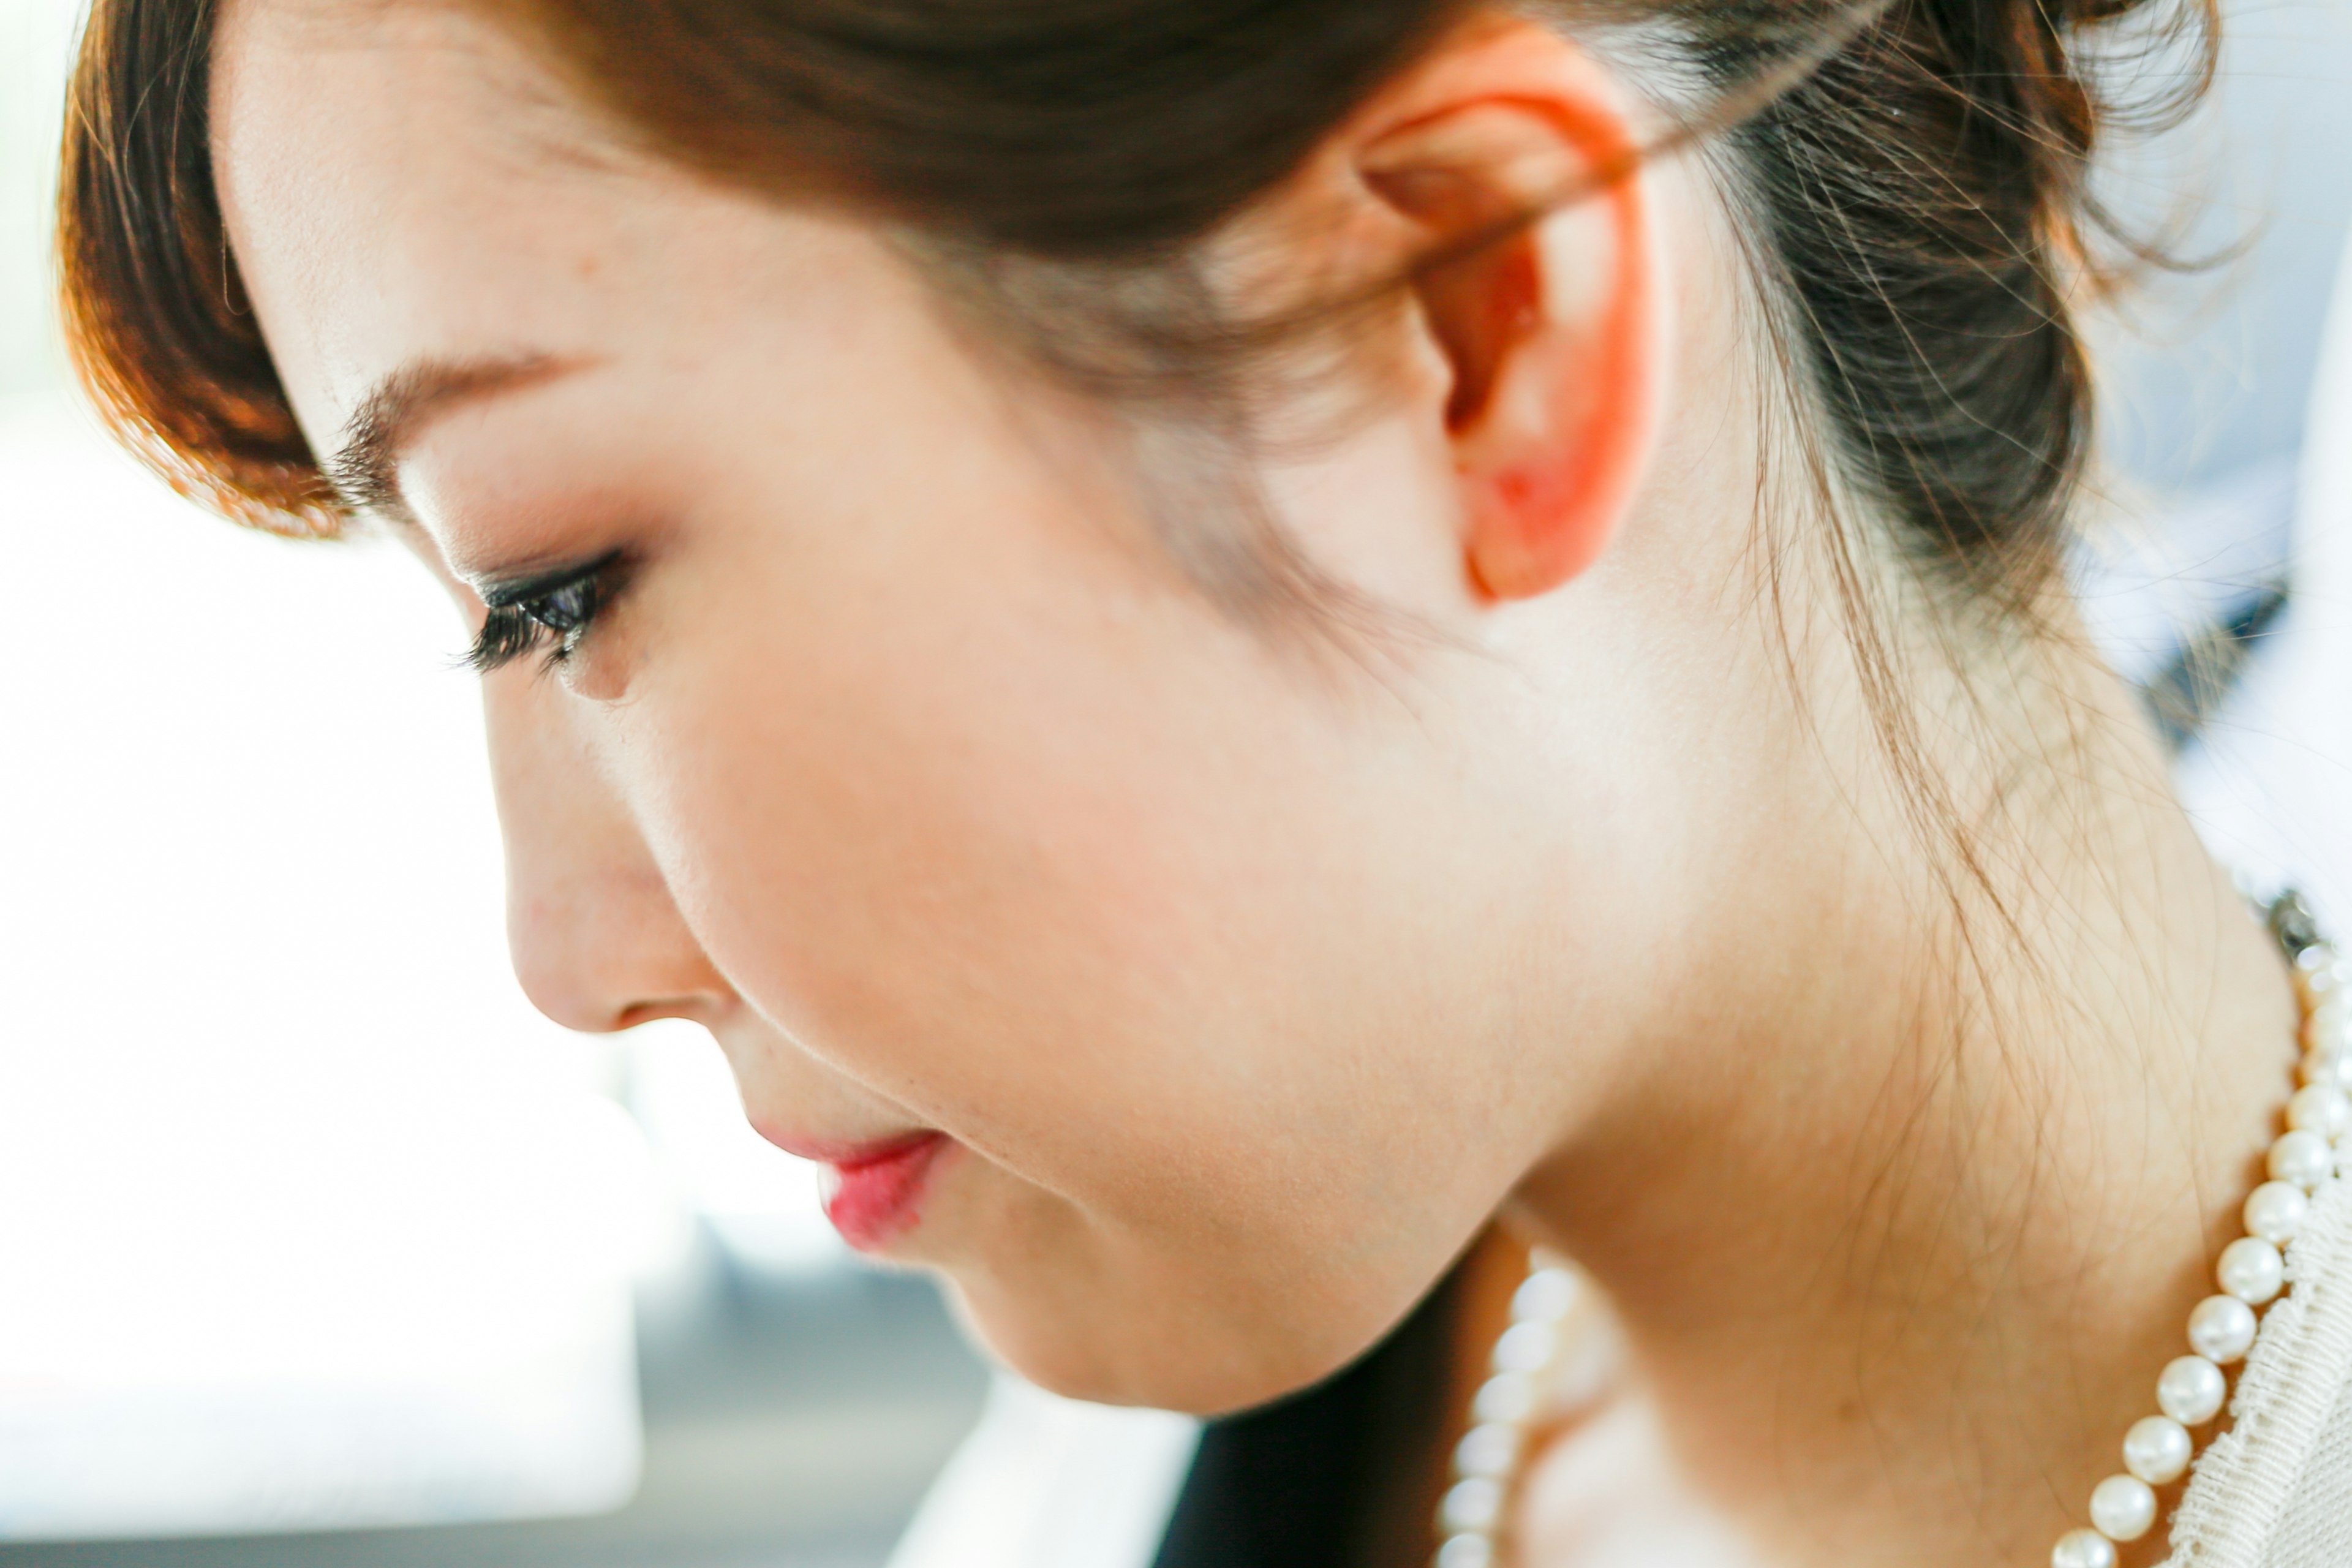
<point x="1251" y="976"/>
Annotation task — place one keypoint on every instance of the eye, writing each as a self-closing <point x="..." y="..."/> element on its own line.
<point x="553" y="610"/>
<point x="563" y="610"/>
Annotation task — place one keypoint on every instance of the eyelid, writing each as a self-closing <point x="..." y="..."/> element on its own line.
<point x="511" y="592"/>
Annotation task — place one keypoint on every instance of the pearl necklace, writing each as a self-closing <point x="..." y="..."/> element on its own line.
<point x="1486" y="1460"/>
<point x="2190" y="1391"/>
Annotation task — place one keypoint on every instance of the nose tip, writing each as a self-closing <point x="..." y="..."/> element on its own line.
<point x="598" y="965"/>
<point x="596" y="940"/>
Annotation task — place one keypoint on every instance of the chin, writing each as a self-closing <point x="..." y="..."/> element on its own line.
<point x="1195" y="1363"/>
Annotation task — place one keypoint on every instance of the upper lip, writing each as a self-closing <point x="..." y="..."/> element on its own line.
<point x="847" y="1157"/>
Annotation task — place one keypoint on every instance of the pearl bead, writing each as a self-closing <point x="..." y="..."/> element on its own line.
<point x="2321" y="1065"/>
<point x="1524" y="1347"/>
<point x="2274" y="1212"/>
<point x="2122" y="1507"/>
<point x="1511" y="1395"/>
<point x="1466" y="1551"/>
<point x="2190" y="1390"/>
<point x="1487" y="1450"/>
<point x="2329" y="1023"/>
<point x="2301" y="1159"/>
<point x="2156" y="1449"/>
<point x="2320" y="1108"/>
<point x="1544" y="1296"/>
<point x="2082" y="1549"/>
<point x="1471" y="1506"/>
<point x="2251" y="1270"/>
<point x="2221" y="1329"/>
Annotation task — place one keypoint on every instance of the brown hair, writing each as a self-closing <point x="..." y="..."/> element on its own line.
<point x="1918" y="196"/>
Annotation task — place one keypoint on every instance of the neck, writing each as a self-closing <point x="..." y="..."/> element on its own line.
<point x="1905" y="1215"/>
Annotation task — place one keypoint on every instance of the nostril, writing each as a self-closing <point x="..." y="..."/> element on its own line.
<point x="573" y="1006"/>
<point x="611" y="962"/>
<point x="695" y="1008"/>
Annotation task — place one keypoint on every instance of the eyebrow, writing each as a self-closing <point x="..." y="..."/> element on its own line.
<point x="366" y="470"/>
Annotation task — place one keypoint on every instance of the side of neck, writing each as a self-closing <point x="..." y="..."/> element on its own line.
<point x="1905" y="1215"/>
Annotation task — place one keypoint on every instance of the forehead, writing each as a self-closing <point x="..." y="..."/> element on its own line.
<point x="409" y="180"/>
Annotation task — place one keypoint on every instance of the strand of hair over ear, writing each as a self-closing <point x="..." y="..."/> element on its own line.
<point x="1207" y="336"/>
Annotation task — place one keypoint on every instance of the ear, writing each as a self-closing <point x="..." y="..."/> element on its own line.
<point x="1552" y="336"/>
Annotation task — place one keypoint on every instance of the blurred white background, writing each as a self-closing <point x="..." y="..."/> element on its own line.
<point x="308" y="1224"/>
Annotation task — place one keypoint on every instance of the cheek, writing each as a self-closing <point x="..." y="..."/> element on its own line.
<point x="976" y="873"/>
<point x="1041" y="909"/>
<point x="1117" y="901"/>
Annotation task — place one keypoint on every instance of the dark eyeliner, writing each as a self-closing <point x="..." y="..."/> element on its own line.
<point x="551" y="609"/>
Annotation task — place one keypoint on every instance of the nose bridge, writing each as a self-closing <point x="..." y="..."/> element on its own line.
<point x="597" y="942"/>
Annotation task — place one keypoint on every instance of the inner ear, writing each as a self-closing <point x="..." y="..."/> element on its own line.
<point x="1479" y="309"/>
<point x="1472" y="182"/>
<point x="1540" y="308"/>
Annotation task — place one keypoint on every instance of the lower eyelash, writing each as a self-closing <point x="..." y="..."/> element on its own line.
<point x="504" y="638"/>
<point x="507" y="636"/>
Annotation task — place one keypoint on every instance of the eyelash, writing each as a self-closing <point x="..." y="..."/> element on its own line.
<point x="553" y="612"/>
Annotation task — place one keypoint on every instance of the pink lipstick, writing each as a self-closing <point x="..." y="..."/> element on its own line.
<point x="875" y="1192"/>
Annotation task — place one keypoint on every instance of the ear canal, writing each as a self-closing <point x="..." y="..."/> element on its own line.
<point x="1479" y="308"/>
<point x="1475" y="174"/>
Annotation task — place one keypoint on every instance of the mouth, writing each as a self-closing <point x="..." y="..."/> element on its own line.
<point x="874" y="1192"/>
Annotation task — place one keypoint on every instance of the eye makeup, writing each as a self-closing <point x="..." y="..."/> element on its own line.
<point x="550" y="611"/>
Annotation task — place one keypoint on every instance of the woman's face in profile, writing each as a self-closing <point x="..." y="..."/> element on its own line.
<point x="897" y="753"/>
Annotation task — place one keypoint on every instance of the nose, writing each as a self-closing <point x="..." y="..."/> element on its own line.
<point x="597" y="941"/>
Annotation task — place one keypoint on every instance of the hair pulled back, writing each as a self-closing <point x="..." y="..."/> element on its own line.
<point x="1918" y="192"/>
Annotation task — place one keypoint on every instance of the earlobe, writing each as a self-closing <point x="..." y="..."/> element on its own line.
<point x="1552" y="335"/>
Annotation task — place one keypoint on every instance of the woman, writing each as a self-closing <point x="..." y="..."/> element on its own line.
<point x="1221" y="638"/>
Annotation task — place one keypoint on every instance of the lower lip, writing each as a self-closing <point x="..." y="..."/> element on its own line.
<point x="878" y="1198"/>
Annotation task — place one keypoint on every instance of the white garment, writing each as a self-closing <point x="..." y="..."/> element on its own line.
<point x="2275" y="1489"/>
<point x="1046" y="1482"/>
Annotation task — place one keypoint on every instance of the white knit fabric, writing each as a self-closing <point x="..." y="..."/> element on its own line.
<point x="2275" y="1489"/>
<point x="2318" y="1523"/>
